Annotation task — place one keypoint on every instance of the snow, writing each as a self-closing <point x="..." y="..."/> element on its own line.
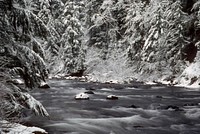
<point x="34" y="105"/>
<point x="15" y="128"/>
<point x="112" y="70"/>
<point x="150" y="83"/>
<point x="190" y="76"/>
<point x="43" y="83"/>
<point x="18" y="81"/>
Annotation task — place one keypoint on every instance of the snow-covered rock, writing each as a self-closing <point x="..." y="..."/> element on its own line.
<point x="44" y="85"/>
<point x="150" y="83"/>
<point x="17" y="81"/>
<point x="82" y="96"/>
<point x="113" y="82"/>
<point x="15" y="128"/>
<point x="112" y="97"/>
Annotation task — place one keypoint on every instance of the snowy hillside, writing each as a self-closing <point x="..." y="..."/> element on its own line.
<point x="107" y="40"/>
<point x="123" y="40"/>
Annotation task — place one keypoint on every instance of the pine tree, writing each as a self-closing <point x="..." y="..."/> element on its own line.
<point x="154" y="39"/>
<point x="103" y="31"/>
<point x="21" y="56"/>
<point x="135" y="31"/>
<point x="156" y="34"/>
<point x="178" y="22"/>
<point x="71" y="49"/>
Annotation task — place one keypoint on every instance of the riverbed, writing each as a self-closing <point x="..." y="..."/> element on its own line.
<point x="139" y="109"/>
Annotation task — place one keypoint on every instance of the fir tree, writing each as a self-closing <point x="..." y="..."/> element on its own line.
<point x="71" y="49"/>
<point x="19" y="31"/>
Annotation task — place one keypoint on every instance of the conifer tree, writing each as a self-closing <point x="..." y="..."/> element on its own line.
<point x="21" y="56"/>
<point x="71" y="49"/>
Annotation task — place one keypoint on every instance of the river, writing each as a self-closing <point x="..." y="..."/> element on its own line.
<point x="139" y="109"/>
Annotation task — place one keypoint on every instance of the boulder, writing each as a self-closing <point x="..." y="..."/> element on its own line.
<point x="159" y="97"/>
<point x="16" y="128"/>
<point x="17" y="81"/>
<point x="79" y="73"/>
<point x="82" y="96"/>
<point x="112" y="97"/>
<point x="43" y="85"/>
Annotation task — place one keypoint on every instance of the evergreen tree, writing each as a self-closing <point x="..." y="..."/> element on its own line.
<point x="154" y="40"/>
<point x="20" y="29"/>
<point x="71" y="49"/>
<point x="135" y="31"/>
<point x="178" y="23"/>
<point x="104" y="30"/>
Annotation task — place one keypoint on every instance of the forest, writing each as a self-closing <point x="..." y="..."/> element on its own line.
<point x="101" y="40"/>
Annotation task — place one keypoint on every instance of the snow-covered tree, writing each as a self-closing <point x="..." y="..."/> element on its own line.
<point x="21" y="56"/>
<point x="178" y="23"/>
<point x="103" y="31"/>
<point x="71" y="51"/>
<point x="152" y="59"/>
<point x="196" y="10"/>
<point x="156" y="33"/>
<point x="134" y="30"/>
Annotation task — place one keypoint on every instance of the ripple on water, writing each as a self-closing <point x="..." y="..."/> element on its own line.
<point x="101" y="116"/>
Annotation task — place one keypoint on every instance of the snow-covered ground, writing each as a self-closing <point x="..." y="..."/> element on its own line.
<point x="15" y="128"/>
<point x="190" y="76"/>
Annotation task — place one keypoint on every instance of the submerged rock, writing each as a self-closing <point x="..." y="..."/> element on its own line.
<point x="138" y="126"/>
<point x="82" y="96"/>
<point x="90" y="88"/>
<point x="175" y="108"/>
<point x="191" y="104"/>
<point x="159" y="97"/>
<point x="133" y="106"/>
<point x="112" y="97"/>
<point x="89" y="92"/>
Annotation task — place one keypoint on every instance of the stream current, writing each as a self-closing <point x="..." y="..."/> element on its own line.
<point x="139" y="109"/>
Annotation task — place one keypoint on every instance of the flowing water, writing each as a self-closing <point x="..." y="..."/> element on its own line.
<point x="140" y="109"/>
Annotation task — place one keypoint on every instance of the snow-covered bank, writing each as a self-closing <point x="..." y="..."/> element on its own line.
<point x="113" y="72"/>
<point x="15" y="128"/>
<point x="191" y="75"/>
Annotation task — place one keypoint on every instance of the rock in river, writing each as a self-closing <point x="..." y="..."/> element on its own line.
<point x="44" y="85"/>
<point x="89" y="92"/>
<point x="112" y="97"/>
<point x="82" y="96"/>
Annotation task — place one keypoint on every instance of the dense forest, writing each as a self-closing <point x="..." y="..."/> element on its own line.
<point x="104" y="40"/>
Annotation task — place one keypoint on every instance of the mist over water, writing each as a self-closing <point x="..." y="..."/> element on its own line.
<point x="140" y="109"/>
